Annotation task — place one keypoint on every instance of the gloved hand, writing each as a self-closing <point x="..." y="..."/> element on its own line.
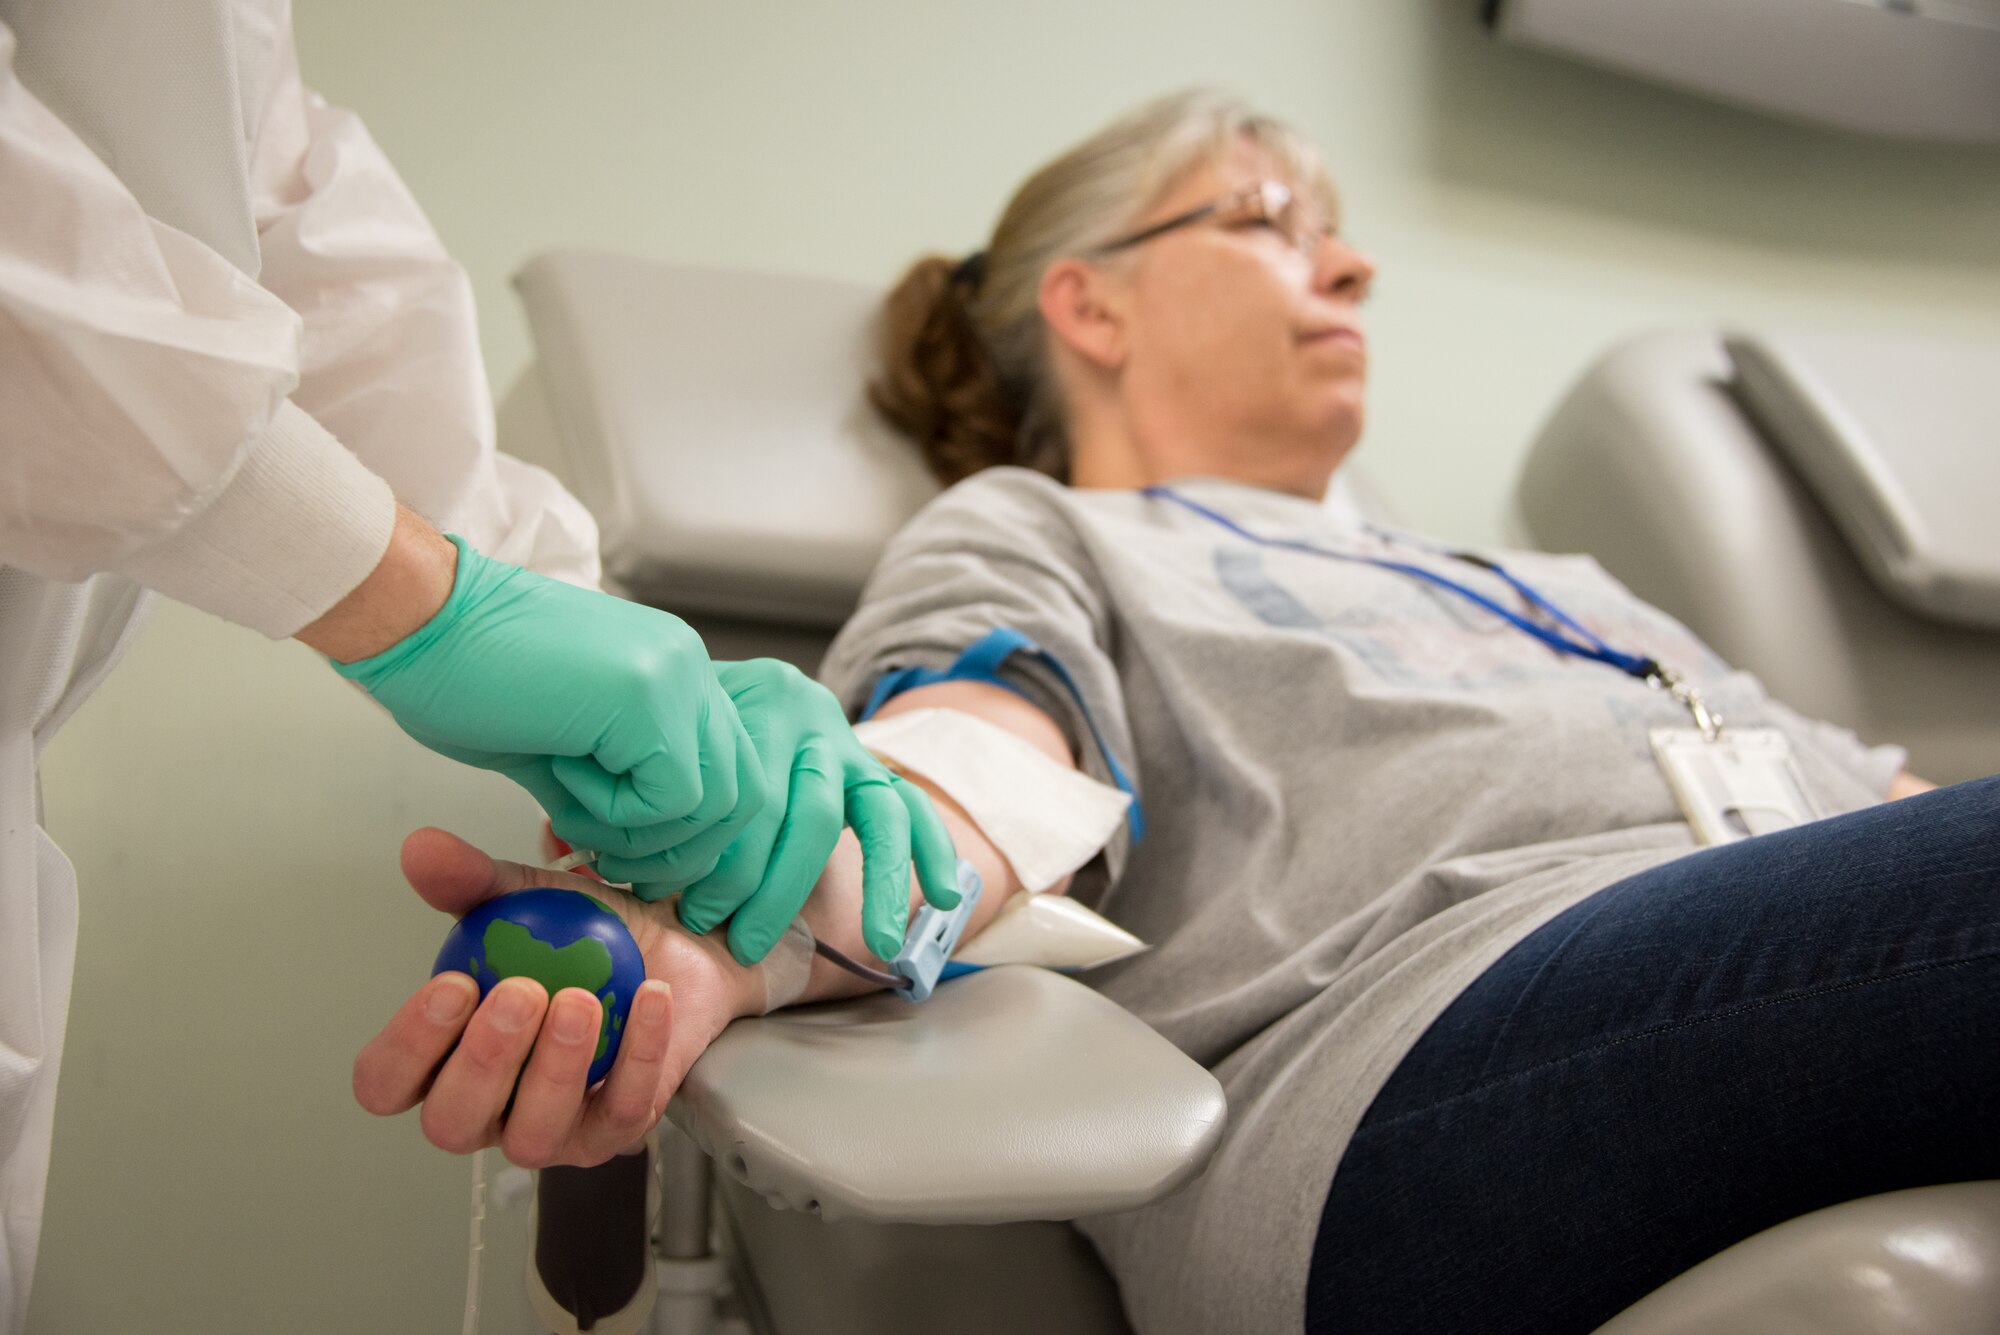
<point x="607" y="711"/>
<point x="821" y="779"/>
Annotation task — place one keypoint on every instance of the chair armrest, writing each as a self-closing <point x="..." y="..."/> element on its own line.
<point x="1012" y="1094"/>
<point x="1925" y="1259"/>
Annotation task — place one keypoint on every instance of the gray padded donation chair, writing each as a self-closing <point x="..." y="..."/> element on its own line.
<point x="1822" y="508"/>
<point x="890" y="1169"/>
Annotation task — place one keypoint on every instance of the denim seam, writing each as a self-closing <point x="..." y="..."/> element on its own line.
<point x="1657" y="1030"/>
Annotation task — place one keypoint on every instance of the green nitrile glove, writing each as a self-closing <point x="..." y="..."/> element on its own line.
<point x="821" y="779"/>
<point x="607" y="711"/>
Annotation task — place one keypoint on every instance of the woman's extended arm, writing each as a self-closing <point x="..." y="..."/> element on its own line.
<point x="462" y="1063"/>
<point x="834" y="911"/>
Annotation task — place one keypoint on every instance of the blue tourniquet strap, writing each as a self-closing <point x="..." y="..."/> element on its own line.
<point x="981" y="661"/>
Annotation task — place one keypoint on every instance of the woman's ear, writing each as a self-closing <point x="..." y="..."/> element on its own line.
<point x="1079" y="303"/>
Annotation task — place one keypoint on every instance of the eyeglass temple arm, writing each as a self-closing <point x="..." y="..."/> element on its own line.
<point x="1148" y="233"/>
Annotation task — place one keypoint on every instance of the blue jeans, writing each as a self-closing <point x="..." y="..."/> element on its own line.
<point x="1687" y="1057"/>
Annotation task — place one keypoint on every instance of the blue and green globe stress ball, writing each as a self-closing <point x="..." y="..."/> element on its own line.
<point x="559" y="938"/>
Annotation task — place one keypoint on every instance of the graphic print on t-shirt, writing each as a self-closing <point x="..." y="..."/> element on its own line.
<point x="1414" y="634"/>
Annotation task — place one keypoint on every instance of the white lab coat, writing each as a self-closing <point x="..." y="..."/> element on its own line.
<point x="229" y="340"/>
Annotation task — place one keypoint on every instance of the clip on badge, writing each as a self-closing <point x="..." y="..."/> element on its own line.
<point x="1743" y="782"/>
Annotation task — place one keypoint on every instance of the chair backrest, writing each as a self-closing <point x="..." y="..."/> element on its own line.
<point x="1654" y="465"/>
<point x="715" y="421"/>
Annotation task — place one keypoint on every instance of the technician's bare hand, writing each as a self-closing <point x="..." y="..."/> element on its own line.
<point x="518" y="1032"/>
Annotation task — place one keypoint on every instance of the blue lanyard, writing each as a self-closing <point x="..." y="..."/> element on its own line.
<point x="1589" y="645"/>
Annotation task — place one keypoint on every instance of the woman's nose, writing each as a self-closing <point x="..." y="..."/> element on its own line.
<point x="1340" y="270"/>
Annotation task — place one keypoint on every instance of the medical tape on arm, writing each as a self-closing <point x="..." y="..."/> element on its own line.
<point x="788" y="966"/>
<point x="1045" y="818"/>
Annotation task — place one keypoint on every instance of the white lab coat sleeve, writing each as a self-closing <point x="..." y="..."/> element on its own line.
<point x="143" y="389"/>
<point x="390" y="359"/>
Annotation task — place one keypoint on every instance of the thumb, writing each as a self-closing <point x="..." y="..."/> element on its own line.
<point x="449" y="874"/>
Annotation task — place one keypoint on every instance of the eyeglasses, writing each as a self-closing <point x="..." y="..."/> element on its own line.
<point x="1270" y="204"/>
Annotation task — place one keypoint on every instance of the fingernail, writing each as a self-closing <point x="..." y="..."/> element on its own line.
<point x="447" y="1003"/>
<point x="651" y="1003"/>
<point x="572" y="1023"/>
<point x="512" y="1008"/>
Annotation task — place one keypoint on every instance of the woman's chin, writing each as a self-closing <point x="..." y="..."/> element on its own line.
<point x="1313" y="470"/>
<point x="1329" y="435"/>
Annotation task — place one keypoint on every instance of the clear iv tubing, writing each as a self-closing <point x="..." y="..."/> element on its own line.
<point x="471" y="1326"/>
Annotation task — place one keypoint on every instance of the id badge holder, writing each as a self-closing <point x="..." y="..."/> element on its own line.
<point x="1743" y="782"/>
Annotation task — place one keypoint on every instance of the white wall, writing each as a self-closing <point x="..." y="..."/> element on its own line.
<point x="234" y="811"/>
<point x="1526" y="211"/>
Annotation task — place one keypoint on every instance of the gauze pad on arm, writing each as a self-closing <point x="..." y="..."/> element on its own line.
<point x="1045" y="818"/>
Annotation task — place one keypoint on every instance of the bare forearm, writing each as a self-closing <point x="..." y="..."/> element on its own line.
<point x="834" y="911"/>
<point x="405" y="590"/>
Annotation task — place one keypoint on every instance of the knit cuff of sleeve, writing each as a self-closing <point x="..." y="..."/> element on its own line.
<point x="298" y="525"/>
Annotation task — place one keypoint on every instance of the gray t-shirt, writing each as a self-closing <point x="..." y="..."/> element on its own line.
<point x="1359" y="790"/>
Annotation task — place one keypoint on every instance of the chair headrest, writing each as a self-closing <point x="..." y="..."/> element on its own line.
<point x="715" y="423"/>
<point x="1895" y="434"/>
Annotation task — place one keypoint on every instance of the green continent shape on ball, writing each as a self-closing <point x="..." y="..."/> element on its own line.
<point x="512" y="951"/>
